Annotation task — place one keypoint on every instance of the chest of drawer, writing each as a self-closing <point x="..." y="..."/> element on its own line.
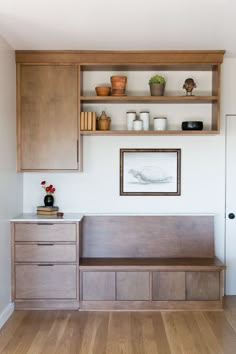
<point x="45" y="232"/>
<point x="46" y="252"/>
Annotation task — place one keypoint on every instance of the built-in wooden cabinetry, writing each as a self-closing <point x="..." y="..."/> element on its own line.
<point x="47" y="117"/>
<point x="45" y="265"/>
<point x="53" y="87"/>
<point x="116" y="262"/>
<point x="149" y="262"/>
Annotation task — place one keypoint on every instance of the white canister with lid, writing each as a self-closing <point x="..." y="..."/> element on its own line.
<point x="144" y="116"/>
<point x="138" y="124"/>
<point x="160" y="123"/>
<point x="130" y="117"/>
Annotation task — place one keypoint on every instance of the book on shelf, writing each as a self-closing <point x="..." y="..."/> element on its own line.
<point x="47" y="208"/>
<point x="82" y="121"/>
<point x="89" y="120"/>
<point x="48" y="213"/>
<point x="85" y="120"/>
<point x="94" y="120"/>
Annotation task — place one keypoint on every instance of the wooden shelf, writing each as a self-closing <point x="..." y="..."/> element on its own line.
<point x="149" y="132"/>
<point x="151" y="263"/>
<point x="149" y="99"/>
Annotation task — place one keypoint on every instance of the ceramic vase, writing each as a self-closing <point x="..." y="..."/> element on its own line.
<point x="48" y="200"/>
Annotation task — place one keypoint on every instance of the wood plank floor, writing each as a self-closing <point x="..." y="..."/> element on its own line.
<point x="60" y="332"/>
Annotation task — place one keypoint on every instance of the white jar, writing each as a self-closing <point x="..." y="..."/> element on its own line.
<point x="144" y="116"/>
<point x="138" y="124"/>
<point x="130" y="117"/>
<point x="160" y="123"/>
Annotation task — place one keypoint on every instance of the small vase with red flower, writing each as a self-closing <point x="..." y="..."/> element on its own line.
<point x="49" y="198"/>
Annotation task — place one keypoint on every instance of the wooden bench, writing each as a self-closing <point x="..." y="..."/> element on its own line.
<point x="149" y="262"/>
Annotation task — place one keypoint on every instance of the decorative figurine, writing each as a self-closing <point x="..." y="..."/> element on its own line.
<point x="189" y="85"/>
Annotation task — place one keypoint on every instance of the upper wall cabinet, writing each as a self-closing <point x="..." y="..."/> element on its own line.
<point x="47" y="105"/>
<point x="54" y="87"/>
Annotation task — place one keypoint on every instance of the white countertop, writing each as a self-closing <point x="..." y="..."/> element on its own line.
<point x="37" y="218"/>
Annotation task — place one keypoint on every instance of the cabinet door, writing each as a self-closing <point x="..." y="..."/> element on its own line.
<point x="168" y="286"/>
<point x="132" y="285"/>
<point x="203" y="285"/>
<point x="48" y="118"/>
<point x="98" y="286"/>
<point x="45" y="281"/>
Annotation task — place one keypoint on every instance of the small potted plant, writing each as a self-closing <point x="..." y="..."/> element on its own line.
<point x="157" y="85"/>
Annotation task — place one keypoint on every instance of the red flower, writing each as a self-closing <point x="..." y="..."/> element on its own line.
<point x="48" y="189"/>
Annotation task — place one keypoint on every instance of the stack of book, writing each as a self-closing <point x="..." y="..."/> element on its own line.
<point x="50" y="211"/>
<point x="88" y="121"/>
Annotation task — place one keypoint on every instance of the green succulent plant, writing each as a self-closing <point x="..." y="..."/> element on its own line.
<point x="157" y="79"/>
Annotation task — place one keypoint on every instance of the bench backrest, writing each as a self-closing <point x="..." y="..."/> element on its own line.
<point x="148" y="236"/>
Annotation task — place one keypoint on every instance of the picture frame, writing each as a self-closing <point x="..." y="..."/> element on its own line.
<point x="150" y="172"/>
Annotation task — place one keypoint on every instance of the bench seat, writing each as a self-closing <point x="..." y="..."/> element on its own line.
<point x="183" y="264"/>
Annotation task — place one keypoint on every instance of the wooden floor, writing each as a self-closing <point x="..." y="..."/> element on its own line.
<point x="49" y="332"/>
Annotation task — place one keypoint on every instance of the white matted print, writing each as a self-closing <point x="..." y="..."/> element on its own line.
<point x="150" y="171"/>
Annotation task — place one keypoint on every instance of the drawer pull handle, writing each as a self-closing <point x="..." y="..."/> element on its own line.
<point x="45" y="265"/>
<point x="45" y="244"/>
<point x="44" y="223"/>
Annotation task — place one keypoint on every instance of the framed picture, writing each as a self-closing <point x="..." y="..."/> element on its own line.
<point x="150" y="171"/>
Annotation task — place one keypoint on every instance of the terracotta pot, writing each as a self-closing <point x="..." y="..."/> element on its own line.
<point x="118" y="84"/>
<point x="103" y="90"/>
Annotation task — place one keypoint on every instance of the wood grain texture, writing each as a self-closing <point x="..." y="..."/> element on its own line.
<point x="47" y="304"/>
<point x="152" y="264"/>
<point x="202" y="285"/>
<point x="174" y="57"/>
<point x="168" y="286"/>
<point x="151" y="305"/>
<point x="148" y="236"/>
<point x="45" y="281"/>
<point x="45" y="232"/>
<point x="73" y="332"/>
<point x="48" y="117"/>
<point x="132" y="286"/>
<point x="98" y="285"/>
<point x="45" y="252"/>
<point x="150" y="132"/>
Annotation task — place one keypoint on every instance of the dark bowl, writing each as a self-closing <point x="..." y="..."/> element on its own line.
<point x="192" y="125"/>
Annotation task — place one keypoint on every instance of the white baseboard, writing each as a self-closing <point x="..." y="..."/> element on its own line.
<point x="6" y="313"/>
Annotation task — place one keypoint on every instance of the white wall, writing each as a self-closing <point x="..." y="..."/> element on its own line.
<point x="10" y="181"/>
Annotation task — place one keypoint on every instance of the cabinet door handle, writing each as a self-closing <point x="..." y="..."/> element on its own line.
<point x="45" y="265"/>
<point x="44" y="223"/>
<point x="45" y="244"/>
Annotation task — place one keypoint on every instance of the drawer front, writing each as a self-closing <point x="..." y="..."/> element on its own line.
<point x="98" y="286"/>
<point x="45" y="232"/>
<point x="132" y="285"/>
<point x="45" y="253"/>
<point x="45" y="281"/>
<point x="203" y="286"/>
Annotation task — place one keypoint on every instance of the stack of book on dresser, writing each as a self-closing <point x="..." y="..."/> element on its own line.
<point x="47" y="210"/>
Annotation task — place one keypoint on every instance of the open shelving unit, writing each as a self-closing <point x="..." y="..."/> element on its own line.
<point x="67" y="79"/>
